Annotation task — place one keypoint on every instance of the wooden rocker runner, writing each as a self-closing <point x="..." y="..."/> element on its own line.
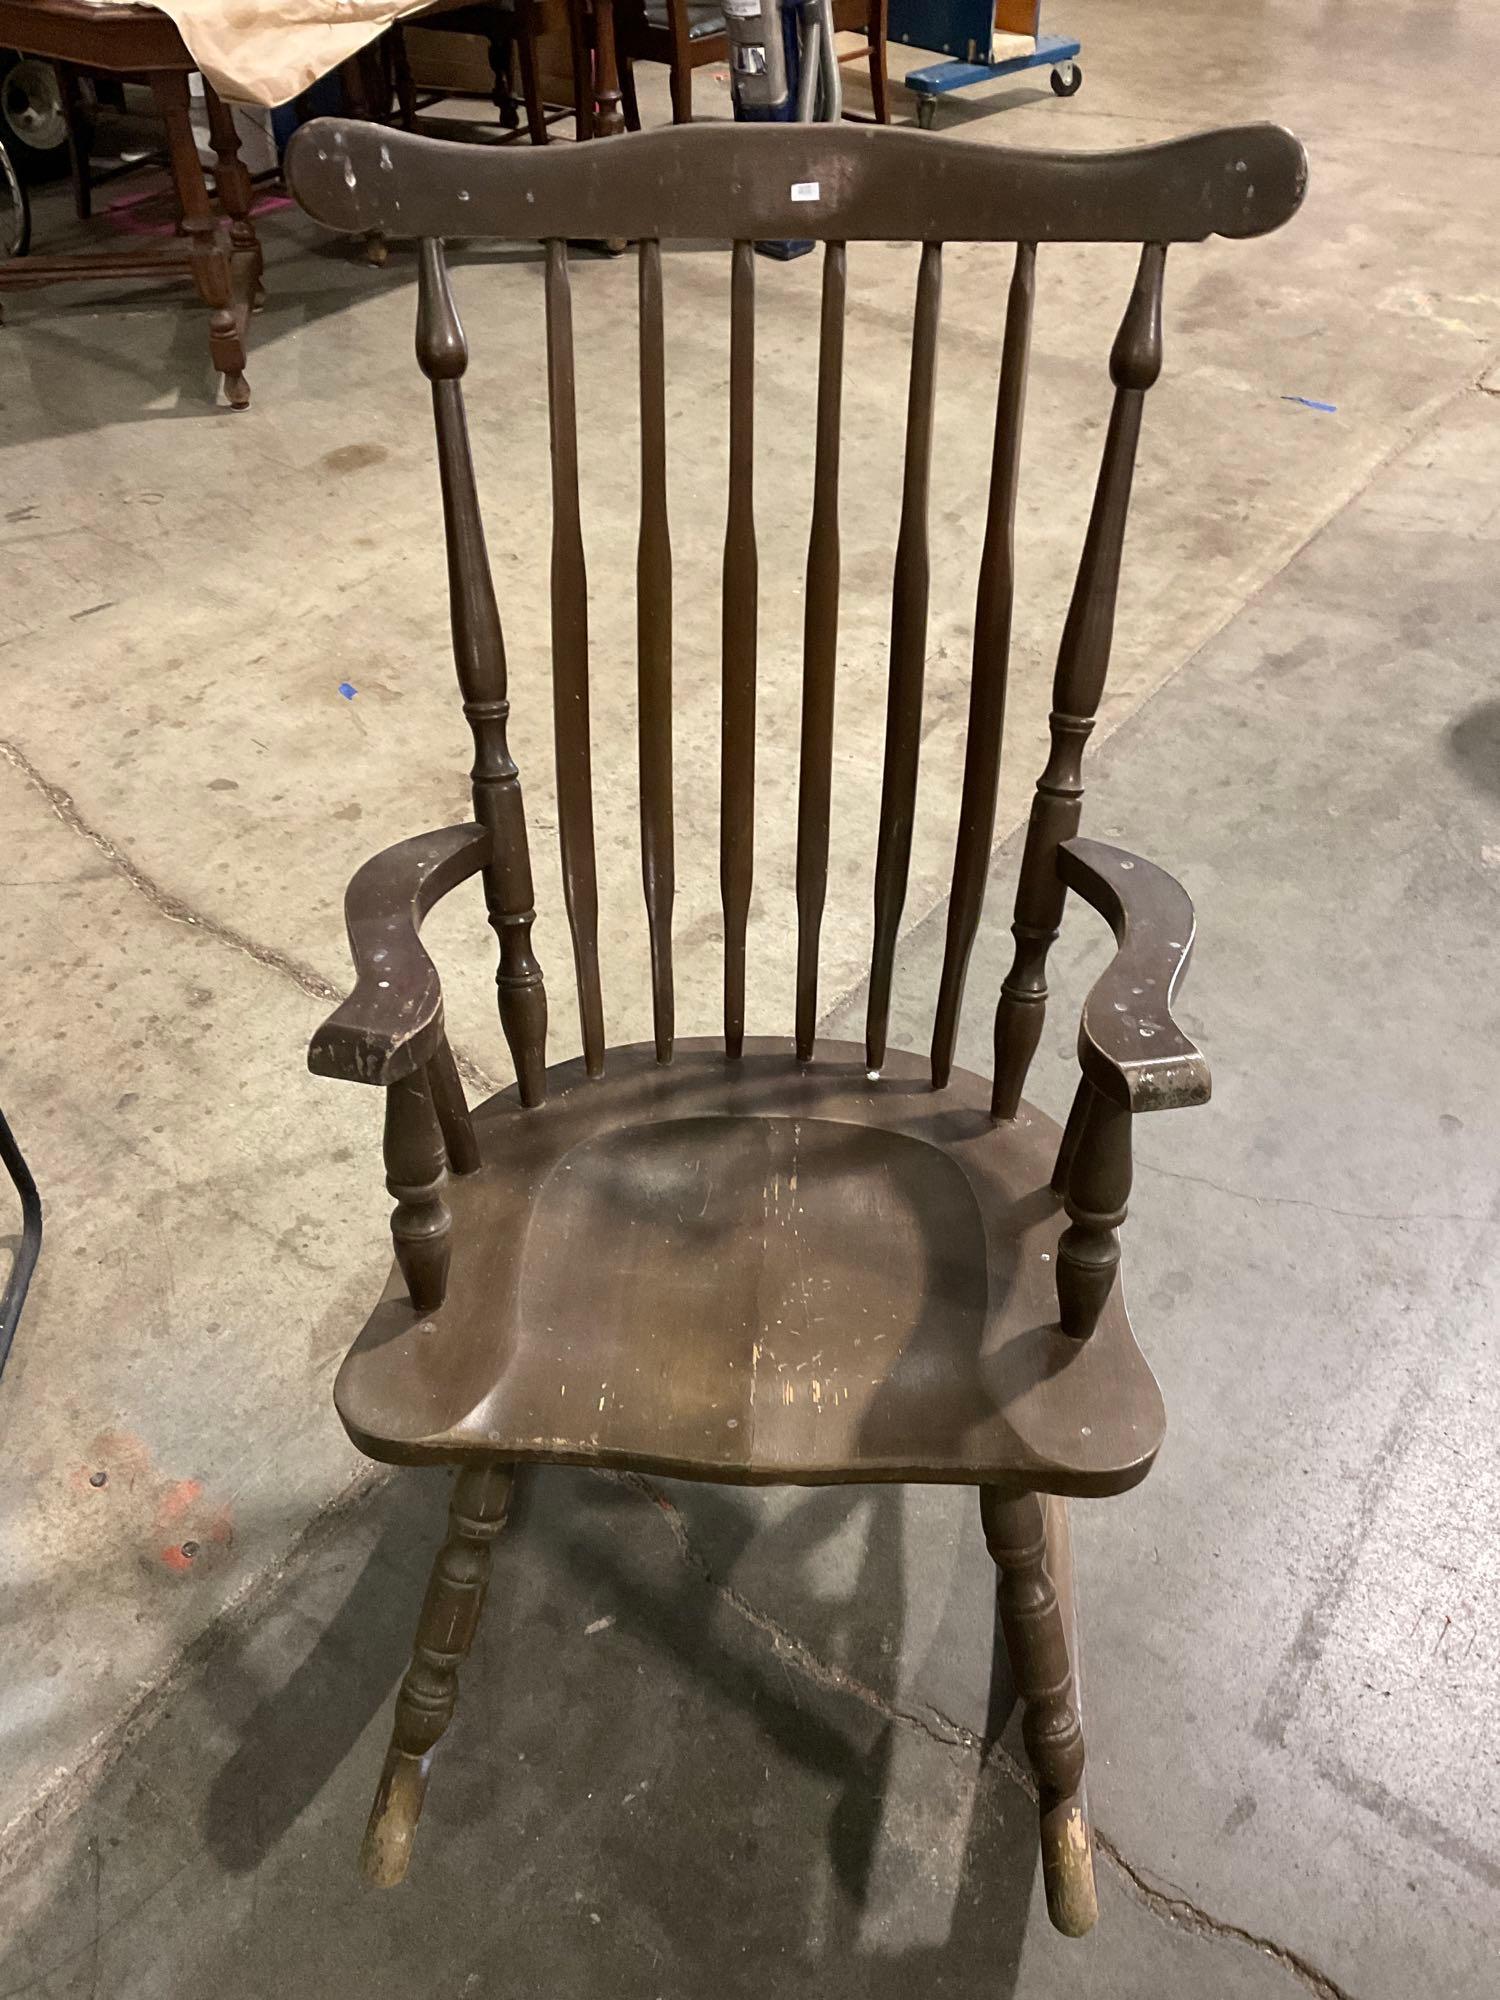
<point x="606" y="1265"/>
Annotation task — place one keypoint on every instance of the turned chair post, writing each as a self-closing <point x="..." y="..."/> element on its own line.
<point x="429" y="1691"/>
<point x="452" y="1108"/>
<point x="1036" y="1641"/>
<point x="1078" y="685"/>
<point x="416" y="1174"/>
<point x="479" y="658"/>
<point x="1096" y="1196"/>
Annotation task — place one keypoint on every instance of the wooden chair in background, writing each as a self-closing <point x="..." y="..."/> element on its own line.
<point x="689" y="35"/>
<point x="217" y="247"/>
<point x="514" y="32"/>
<point x="610" y="1264"/>
<point x="509" y="33"/>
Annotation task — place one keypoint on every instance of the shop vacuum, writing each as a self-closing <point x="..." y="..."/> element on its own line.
<point x="783" y="67"/>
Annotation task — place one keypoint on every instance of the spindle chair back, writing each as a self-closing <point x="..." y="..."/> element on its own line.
<point x="615" y="1263"/>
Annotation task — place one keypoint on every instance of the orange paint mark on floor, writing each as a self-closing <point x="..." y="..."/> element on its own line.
<point x="183" y="1530"/>
<point x="177" y="1499"/>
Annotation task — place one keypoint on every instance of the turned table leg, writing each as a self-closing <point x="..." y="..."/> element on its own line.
<point x="527" y="16"/>
<point x="610" y="118"/>
<point x="583" y="73"/>
<point x="80" y="121"/>
<point x="210" y="258"/>
<point x="232" y="185"/>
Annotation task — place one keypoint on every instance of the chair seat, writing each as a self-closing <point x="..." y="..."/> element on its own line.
<point x="758" y="1271"/>
<point x="705" y="18"/>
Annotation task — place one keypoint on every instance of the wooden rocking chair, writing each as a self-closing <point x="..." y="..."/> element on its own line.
<point x="603" y="1266"/>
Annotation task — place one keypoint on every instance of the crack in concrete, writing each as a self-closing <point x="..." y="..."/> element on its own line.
<point x="837" y="1680"/>
<point x="162" y="900"/>
<point x="1178" y="1910"/>
<point x="1190" y="1916"/>
<point x="179" y="911"/>
<point x="1304" y="1201"/>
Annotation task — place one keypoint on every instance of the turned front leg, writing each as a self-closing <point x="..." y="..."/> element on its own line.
<point x="1015" y="1531"/>
<point x="209" y="256"/>
<point x="445" y="1632"/>
<point x="1098" y="1170"/>
<point x="236" y="194"/>
<point x="416" y="1175"/>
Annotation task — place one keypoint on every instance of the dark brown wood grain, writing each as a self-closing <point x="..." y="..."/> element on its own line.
<point x="719" y="1196"/>
<point x="653" y="576"/>
<point x="479" y="657"/>
<point x="1133" y="1056"/>
<point x="740" y="621"/>
<point x="908" y="661"/>
<point x="416" y="1174"/>
<point x="392" y="1022"/>
<point x="1082" y="663"/>
<point x="742" y="1264"/>
<point x="1072" y="1133"/>
<point x="991" y="669"/>
<point x="1096" y="1197"/>
<point x="429" y="1690"/>
<point x="820" y="632"/>
<point x="452" y="1108"/>
<point x="570" y="663"/>
<point x="717" y="181"/>
<point x="1036" y="1640"/>
<point x="1129" y="1045"/>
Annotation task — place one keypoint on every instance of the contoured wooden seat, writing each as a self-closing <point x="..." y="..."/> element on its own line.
<point x="753" y="1260"/>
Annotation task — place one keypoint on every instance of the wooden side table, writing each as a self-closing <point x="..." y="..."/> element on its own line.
<point x="224" y="261"/>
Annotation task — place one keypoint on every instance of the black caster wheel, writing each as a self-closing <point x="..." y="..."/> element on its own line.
<point x="1066" y="79"/>
<point x="926" y="112"/>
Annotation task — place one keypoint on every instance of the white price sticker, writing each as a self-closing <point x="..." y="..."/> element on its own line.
<point x="742" y="10"/>
<point x="806" y="190"/>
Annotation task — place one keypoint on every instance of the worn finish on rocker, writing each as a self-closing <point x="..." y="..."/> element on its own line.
<point x="795" y="1269"/>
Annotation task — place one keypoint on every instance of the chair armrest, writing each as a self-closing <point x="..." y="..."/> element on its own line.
<point x="1129" y="1046"/>
<point x="392" y="1022"/>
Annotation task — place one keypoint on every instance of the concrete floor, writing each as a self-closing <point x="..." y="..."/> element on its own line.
<point x="1290" y="1629"/>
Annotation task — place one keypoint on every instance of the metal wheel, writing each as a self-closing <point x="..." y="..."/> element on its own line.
<point x="1066" y="79"/>
<point x="33" y="122"/>
<point x="926" y="112"/>
<point x="15" y="210"/>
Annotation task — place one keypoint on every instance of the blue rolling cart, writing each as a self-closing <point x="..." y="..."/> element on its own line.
<point x="973" y="33"/>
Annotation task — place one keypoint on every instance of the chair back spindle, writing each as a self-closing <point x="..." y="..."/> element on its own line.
<point x="903" y="717"/>
<point x="740" y="616"/>
<point x="654" y="651"/>
<point x="1082" y="663"/>
<point x="479" y="656"/>
<point x="840" y="186"/>
<point x="570" y="662"/>
<point x="994" y="603"/>
<point x="820" y="633"/>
